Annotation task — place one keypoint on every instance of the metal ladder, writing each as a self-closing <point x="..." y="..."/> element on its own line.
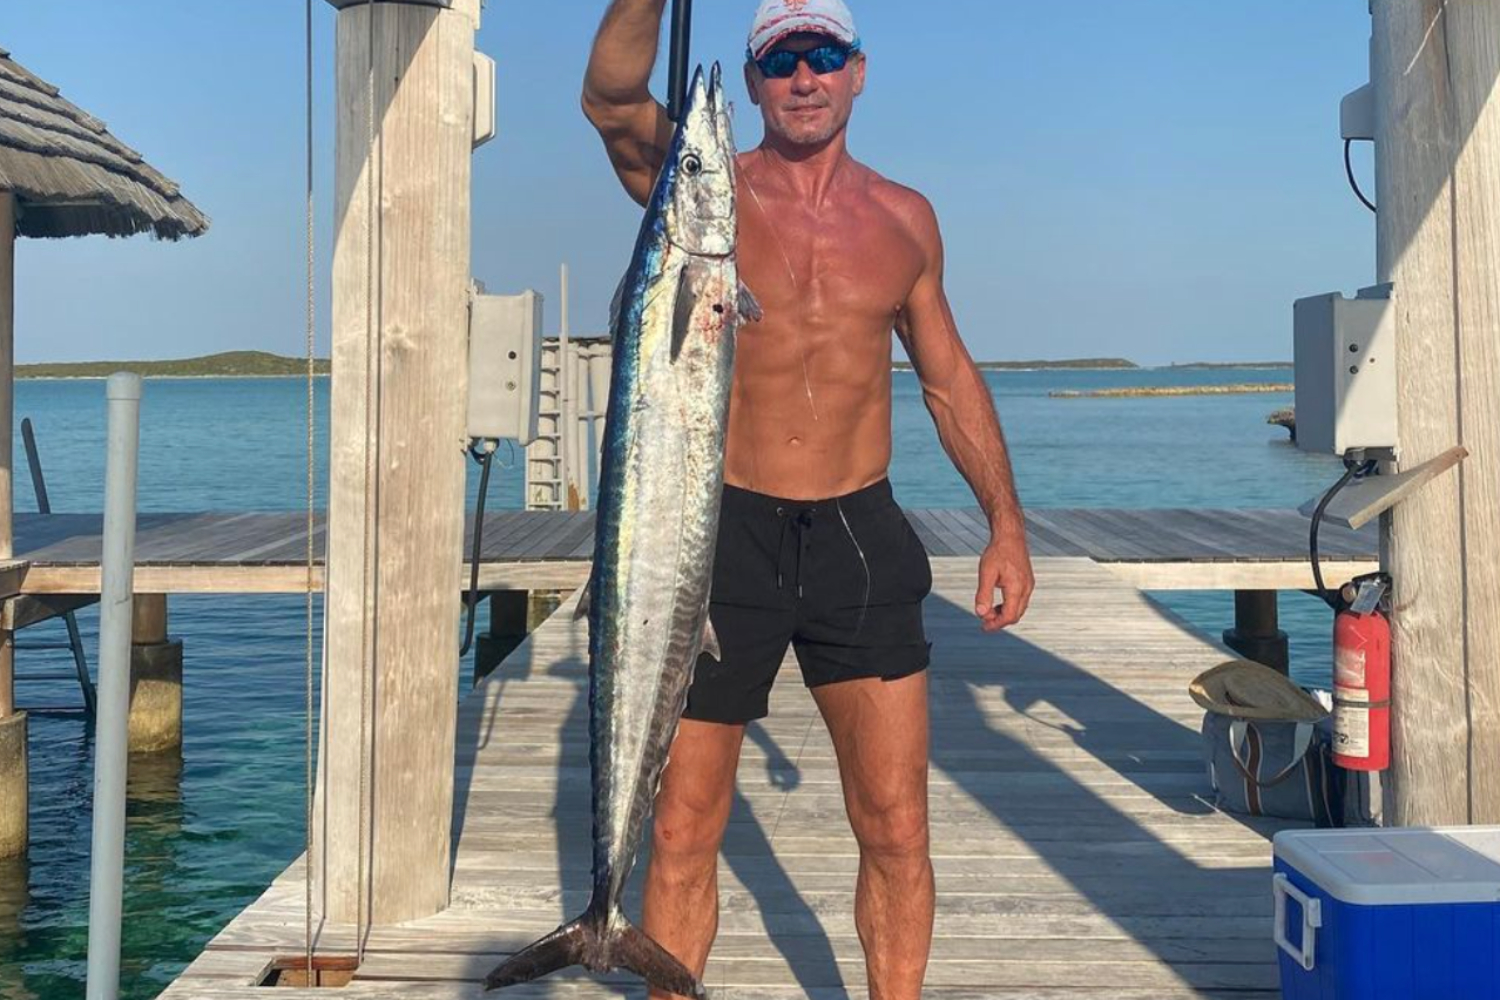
<point x="75" y="638"/>
<point x="544" y="456"/>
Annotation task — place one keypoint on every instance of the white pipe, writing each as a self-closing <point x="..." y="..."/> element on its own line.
<point x="565" y="407"/>
<point x="117" y="565"/>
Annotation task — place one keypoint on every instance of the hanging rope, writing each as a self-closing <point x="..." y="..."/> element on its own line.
<point x="369" y="624"/>
<point x="311" y="443"/>
<point x="370" y="617"/>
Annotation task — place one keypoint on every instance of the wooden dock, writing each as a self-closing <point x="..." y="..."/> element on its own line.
<point x="1075" y="854"/>
<point x="248" y="552"/>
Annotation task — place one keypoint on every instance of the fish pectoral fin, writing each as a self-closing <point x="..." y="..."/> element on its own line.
<point x="631" y="949"/>
<point x="682" y="310"/>
<point x="586" y="602"/>
<point x="749" y="308"/>
<point x="711" y="641"/>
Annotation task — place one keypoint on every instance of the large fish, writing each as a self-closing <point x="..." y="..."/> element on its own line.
<point x="660" y="483"/>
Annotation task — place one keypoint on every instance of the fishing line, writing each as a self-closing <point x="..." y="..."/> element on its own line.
<point x="311" y="444"/>
<point x="370" y="618"/>
<point x="797" y="285"/>
<point x="807" y="386"/>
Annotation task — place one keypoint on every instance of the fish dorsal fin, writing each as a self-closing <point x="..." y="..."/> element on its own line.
<point x="617" y="306"/>
<point x="750" y="309"/>
<point x="586" y="602"/>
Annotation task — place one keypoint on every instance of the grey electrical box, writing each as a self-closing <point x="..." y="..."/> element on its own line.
<point x="505" y="366"/>
<point x="1345" y="355"/>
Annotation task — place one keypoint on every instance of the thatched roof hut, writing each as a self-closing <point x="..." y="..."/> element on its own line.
<point x="63" y="174"/>
<point x="71" y="177"/>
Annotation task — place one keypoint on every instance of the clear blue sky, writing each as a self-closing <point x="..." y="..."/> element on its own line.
<point x="1156" y="180"/>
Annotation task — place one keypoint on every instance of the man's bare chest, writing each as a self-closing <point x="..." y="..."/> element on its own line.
<point x="827" y="268"/>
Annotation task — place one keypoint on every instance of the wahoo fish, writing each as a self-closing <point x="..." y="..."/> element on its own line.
<point x="660" y="483"/>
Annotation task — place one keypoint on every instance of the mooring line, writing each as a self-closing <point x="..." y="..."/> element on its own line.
<point x="369" y="639"/>
<point x="311" y="479"/>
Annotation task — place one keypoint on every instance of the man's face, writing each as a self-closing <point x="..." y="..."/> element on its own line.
<point x="806" y="109"/>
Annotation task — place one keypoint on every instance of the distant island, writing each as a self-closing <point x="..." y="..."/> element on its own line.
<point x="230" y="364"/>
<point x="1135" y="392"/>
<point x="1073" y="364"/>
<point x="1230" y="365"/>
<point x="263" y="364"/>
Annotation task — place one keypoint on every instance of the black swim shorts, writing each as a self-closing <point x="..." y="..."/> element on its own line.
<point x="841" y="580"/>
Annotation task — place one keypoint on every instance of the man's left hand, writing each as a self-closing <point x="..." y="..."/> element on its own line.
<point x="1005" y="564"/>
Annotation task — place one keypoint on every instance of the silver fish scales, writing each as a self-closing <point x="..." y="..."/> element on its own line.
<point x="660" y="484"/>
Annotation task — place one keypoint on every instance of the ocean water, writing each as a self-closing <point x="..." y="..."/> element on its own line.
<point x="209" y="829"/>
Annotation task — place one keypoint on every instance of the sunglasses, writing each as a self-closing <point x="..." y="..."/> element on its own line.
<point x="824" y="59"/>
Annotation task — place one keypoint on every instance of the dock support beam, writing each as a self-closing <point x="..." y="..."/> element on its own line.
<point x="14" y="794"/>
<point x="155" y="679"/>
<point x="509" y="621"/>
<point x="1434" y="68"/>
<point x="1256" y="635"/>
<point x="401" y="280"/>
<point x="13" y="753"/>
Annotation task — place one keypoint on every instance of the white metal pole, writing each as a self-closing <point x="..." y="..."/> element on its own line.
<point x="566" y="408"/>
<point x="581" y="419"/>
<point x="599" y="377"/>
<point x="117" y="565"/>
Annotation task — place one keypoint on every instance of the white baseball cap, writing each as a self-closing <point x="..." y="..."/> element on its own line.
<point x="776" y="19"/>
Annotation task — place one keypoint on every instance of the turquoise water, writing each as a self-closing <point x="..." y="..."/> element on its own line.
<point x="208" y="830"/>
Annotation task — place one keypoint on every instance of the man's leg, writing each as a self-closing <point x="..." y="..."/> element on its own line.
<point x="692" y="810"/>
<point x="880" y="733"/>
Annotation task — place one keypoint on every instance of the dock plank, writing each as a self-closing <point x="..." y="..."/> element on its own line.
<point x="264" y="552"/>
<point x="1075" y="852"/>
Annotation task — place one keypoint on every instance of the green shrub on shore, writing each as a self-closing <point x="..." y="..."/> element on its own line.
<point x="230" y="364"/>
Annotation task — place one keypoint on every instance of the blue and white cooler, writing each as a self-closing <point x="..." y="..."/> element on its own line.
<point x="1400" y="914"/>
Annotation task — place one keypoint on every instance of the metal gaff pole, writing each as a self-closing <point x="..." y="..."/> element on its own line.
<point x="106" y="882"/>
<point x="677" y="81"/>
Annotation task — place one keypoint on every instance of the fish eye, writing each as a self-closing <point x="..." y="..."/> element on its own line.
<point x="692" y="165"/>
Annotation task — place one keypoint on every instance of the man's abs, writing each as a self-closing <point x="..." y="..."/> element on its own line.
<point x="810" y="415"/>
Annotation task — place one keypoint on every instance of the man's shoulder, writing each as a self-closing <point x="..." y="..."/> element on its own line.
<point x="908" y="205"/>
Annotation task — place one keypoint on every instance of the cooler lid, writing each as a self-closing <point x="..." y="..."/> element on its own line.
<point x="1372" y="867"/>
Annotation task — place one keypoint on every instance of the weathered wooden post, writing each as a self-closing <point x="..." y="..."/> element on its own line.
<point x="155" y="678"/>
<point x="14" y="798"/>
<point x="401" y="283"/>
<point x="1256" y="634"/>
<point x="1435" y="67"/>
<point x="508" y="627"/>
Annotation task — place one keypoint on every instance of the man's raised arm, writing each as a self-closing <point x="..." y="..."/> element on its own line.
<point x="617" y="98"/>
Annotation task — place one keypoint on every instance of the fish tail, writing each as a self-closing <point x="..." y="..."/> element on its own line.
<point x="571" y="944"/>
<point x="601" y="946"/>
<point x="634" y="950"/>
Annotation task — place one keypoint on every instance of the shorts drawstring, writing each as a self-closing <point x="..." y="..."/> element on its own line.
<point x="800" y="519"/>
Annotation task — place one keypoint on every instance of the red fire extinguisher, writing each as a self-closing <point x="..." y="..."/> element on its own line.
<point x="1362" y="675"/>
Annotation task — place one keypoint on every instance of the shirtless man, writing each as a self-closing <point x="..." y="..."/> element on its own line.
<point x="813" y="550"/>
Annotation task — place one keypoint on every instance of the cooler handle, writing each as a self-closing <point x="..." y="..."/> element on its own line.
<point x="1312" y="919"/>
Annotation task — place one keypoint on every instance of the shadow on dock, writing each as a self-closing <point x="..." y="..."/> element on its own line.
<point x="1085" y="799"/>
<point x="1210" y="925"/>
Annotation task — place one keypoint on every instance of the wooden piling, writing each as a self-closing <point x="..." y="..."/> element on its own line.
<point x="396" y="484"/>
<point x="14" y="793"/>
<point x="155" y="722"/>
<point x="7" y="366"/>
<point x="1435" y="66"/>
<point x="14" y="796"/>
<point x="509" y="625"/>
<point x="1257" y="634"/>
